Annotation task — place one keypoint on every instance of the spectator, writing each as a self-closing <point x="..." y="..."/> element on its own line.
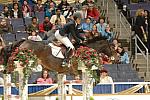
<point x="94" y="31"/>
<point x="124" y="59"/>
<point x="33" y="26"/>
<point x="88" y="2"/>
<point x="140" y="28"/>
<point x="16" y="12"/>
<point x="58" y="15"/>
<point x="51" y="10"/>
<point x="115" y="43"/>
<point x="38" y="7"/>
<point x="108" y="34"/>
<point x="6" y="12"/>
<point x="5" y="27"/>
<point x="34" y="36"/>
<point x="45" y="27"/>
<point x="26" y="9"/>
<point x="83" y="12"/>
<point x="2" y="45"/>
<point x="87" y="27"/>
<point x="68" y="12"/>
<point x="45" y="79"/>
<point x="101" y="26"/>
<point x="63" y="5"/>
<point x="92" y="12"/>
<point x="48" y="3"/>
<point x="77" y="5"/>
<point x="104" y="77"/>
<point x="147" y="22"/>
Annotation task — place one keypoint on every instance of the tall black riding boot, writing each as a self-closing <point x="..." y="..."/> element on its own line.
<point x="67" y="54"/>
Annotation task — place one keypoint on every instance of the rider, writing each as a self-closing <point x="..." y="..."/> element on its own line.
<point x="61" y="34"/>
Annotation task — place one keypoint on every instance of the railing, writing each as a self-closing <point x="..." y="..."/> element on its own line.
<point x="102" y="88"/>
<point x="137" y="47"/>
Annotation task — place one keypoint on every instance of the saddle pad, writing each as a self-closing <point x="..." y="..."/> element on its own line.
<point x="56" y="51"/>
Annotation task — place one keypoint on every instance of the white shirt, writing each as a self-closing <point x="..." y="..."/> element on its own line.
<point x="106" y="79"/>
<point x="35" y="38"/>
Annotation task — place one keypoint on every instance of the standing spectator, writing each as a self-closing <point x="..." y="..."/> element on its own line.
<point x="16" y="12"/>
<point x="92" y="12"/>
<point x="6" y="12"/>
<point x="58" y="15"/>
<point x="45" y="27"/>
<point x="34" y="36"/>
<point x="38" y="7"/>
<point x="104" y="77"/>
<point x="140" y="28"/>
<point x="26" y="9"/>
<point x="45" y="78"/>
<point x="5" y="27"/>
<point x="124" y="59"/>
<point x="147" y="22"/>
<point x="33" y="26"/>
<point x="77" y="5"/>
<point x="51" y="10"/>
<point x="63" y="5"/>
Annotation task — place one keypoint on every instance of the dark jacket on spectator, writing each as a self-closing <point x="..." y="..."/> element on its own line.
<point x="19" y="14"/>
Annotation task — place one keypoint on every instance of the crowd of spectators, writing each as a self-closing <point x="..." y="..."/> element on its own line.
<point x="55" y="17"/>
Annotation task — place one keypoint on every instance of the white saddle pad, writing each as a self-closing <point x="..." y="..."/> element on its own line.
<point x="56" y="51"/>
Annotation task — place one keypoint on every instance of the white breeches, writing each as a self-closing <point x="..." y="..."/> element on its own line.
<point x="63" y="39"/>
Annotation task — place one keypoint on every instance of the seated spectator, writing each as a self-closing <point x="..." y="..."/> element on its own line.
<point x="83" y="12"/>
<point x="88" y="2"/>
<point x="38" y="7"/>
<point x="6" y="12"/>
<point x="51" y="10"/>
<point x="45" y="78"/>
<point x="87" y="27"/>
<point x="124" y="58"/>
<point x="77" y="5"/>
<point x="68" y="12"/>
<point x="2" y="45"/>
<point x="115" y="43"/>
<point x="92" y="12"/>
<point x="104" y="77"/>
<point x="45" y="27"/>
<point x="58" y="15"/>
<point x="1" y="81"/>
<point x="26" y="9"/>
<point x="107" y="34"/>
<point x="5" y="27"/>
<point x="101" y="26"/>
<point x="48" y="3"/>
<point x="33" y="26"/>
<point x="34" y="36"/>
<point x="94" y="32"/>
<point x="104" y="59"/>
<point x="16" y="12"/>
<point x="63" y="5"/>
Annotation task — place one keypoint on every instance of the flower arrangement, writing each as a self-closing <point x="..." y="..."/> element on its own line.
<point x="87" y="55"/>
<point x="25" y="58"/>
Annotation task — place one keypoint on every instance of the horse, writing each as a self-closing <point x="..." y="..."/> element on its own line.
<point x="48" y="61"/>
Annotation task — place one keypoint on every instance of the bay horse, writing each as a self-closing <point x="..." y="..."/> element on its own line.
<point x="48" y="61"/>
